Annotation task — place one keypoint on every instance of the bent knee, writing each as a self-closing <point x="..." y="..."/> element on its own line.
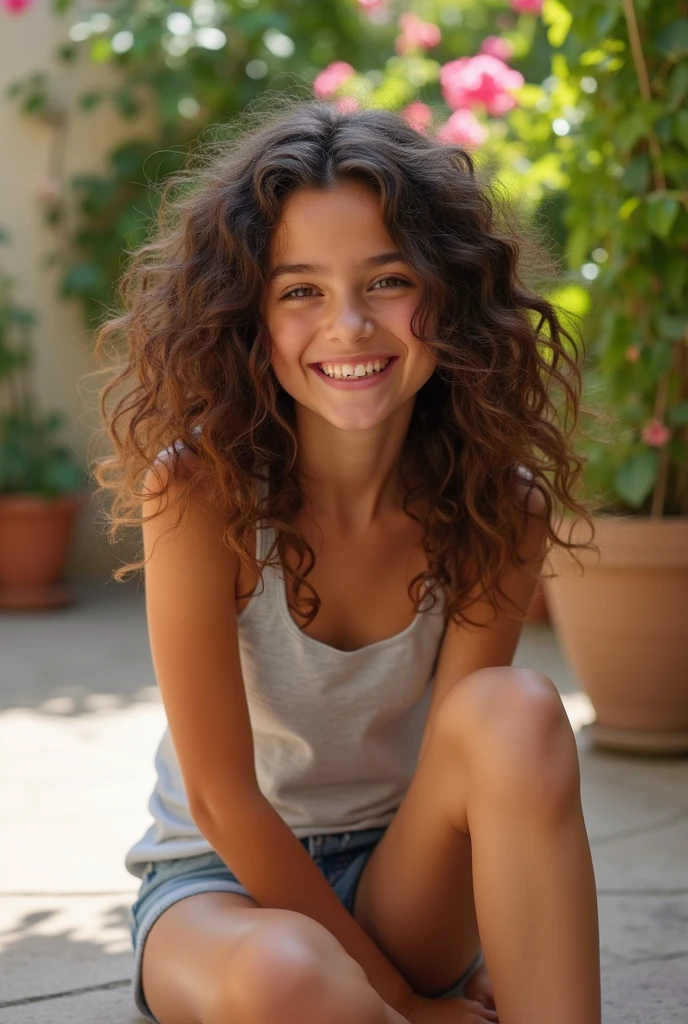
<point x="513" y="731"/>
<point x="286" y="970"/>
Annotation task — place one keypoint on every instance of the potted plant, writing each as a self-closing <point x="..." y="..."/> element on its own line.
<point x="41" y="485"/>
<point x="622" y="617"/>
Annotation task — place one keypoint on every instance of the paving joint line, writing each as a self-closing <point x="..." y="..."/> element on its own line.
<point x="65" y="995"/>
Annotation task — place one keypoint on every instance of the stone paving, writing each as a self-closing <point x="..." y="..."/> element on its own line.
<point x="80" y="719"/>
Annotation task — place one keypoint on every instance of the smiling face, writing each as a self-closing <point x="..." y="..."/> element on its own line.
<point x="342" y="296"/>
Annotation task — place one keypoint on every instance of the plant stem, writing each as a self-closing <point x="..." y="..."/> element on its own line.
<point x="659" y="492"/>
<point x="645" y="91"/>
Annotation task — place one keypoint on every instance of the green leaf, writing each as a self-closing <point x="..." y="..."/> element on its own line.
<point x="657" y="358"/>
<point x="82" y="278"/>
<point x="607" y="20"/>
<point x="673" y="40"/>
<point x="660" y="213"/>
<point x="681" y="127"/>
<point x="629" y="130"/>
<point x="678" y="415"/>
<point x="671" y="327"/>
<point x="627" y="208"/>
<point x="664" y="129"/>
<point x="63" y="476"/>
<point x="559" y="19"/>
<point x="677" y="87"/>
<point x="100" y="50"/>
<point x="675" y="278"/>
<point x="53" y="421"/>
<point x="127" y="103"/>
<point x="637" y="175"/>
<point x="635" y="479"/>
<point x="67" y="53"/>
<point x="89" y="100"/>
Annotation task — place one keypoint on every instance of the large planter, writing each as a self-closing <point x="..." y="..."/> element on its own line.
<point x="622" y="623"/>
<point x="35" y="540"/>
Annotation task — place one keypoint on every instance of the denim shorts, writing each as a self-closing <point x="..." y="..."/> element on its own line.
<point x="340" y="857"/>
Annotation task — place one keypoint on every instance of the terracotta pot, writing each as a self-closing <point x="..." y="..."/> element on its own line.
<point x="622" y="623"/>
<point x="35" y="539"/>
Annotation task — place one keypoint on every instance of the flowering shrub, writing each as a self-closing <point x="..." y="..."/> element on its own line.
<point x="606" y="132"/>
<point x="627" y="215"/>
<point x="551" y="96"/>
<point x="32" y="459"/>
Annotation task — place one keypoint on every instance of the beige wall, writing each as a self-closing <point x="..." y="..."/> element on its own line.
<point x="64" y="344"/>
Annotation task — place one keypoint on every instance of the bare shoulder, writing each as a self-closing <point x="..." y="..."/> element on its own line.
<point x="530" y="495"/>
<point x="176" y="494"/>
<point x="531" y="500"/>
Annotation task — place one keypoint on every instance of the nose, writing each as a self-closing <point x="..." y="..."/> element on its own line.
<point x="349" y="324"/>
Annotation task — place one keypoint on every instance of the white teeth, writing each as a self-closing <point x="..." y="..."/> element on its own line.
<point x="342" y="371"/>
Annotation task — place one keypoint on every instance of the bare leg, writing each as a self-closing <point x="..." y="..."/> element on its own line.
<point x="536" y="902"/>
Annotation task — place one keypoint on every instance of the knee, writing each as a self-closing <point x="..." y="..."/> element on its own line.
<point x="293" y="972"/>
<point x="514" y="736"/>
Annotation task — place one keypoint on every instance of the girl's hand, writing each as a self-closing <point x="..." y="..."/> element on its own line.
<point x="420" y="1010"/>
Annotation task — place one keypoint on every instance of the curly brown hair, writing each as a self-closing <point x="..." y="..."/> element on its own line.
<point x="198" y="353"/>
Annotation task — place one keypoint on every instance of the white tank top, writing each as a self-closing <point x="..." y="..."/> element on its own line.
<point x="336" y="733"/>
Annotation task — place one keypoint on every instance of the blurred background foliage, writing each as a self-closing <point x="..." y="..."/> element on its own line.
<point x="578" y="111"/>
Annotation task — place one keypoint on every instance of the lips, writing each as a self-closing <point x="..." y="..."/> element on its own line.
<point x="355" y="383"/>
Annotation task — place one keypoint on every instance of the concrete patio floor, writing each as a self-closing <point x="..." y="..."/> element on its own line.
<point x="81" y="718"/>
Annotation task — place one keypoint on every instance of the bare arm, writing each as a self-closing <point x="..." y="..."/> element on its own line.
<point x="466" y="649"/>
<point x="191" y="611"/>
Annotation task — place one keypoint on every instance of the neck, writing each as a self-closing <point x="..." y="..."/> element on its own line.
<point x="350" y="478"/>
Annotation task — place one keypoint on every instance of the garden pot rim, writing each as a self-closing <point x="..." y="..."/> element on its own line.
<point x="29" y="500"/>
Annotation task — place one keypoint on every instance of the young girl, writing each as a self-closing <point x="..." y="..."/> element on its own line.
<point x="336" y="399"/>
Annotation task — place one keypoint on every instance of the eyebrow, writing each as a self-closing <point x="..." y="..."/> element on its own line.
<point x="320" y="268"/>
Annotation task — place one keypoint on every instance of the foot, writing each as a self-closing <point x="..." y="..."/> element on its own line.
<point x="479" y="987"/>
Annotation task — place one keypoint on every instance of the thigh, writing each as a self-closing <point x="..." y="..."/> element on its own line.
<point x="186" y="931"/>
<point x="415" y="893"/>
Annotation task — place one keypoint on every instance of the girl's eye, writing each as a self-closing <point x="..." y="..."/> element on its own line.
<point x="306" y="287"/>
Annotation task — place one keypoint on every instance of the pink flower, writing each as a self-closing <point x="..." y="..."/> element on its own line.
<point x="418" y="115"/>
<point x="632" y="353"/>
<point x="16" y="6"/>
<point x="496" y="46"/>
<point x="462" y="128"/>
<point x="372" y="8"/>
<point x="527" y="6"/>
<point x="348" y="105"/>
<point x="481" y="79"/>
<point x="331" y="77"/>
<point x="655" y="433"/>
<point x="416" y="33"/>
